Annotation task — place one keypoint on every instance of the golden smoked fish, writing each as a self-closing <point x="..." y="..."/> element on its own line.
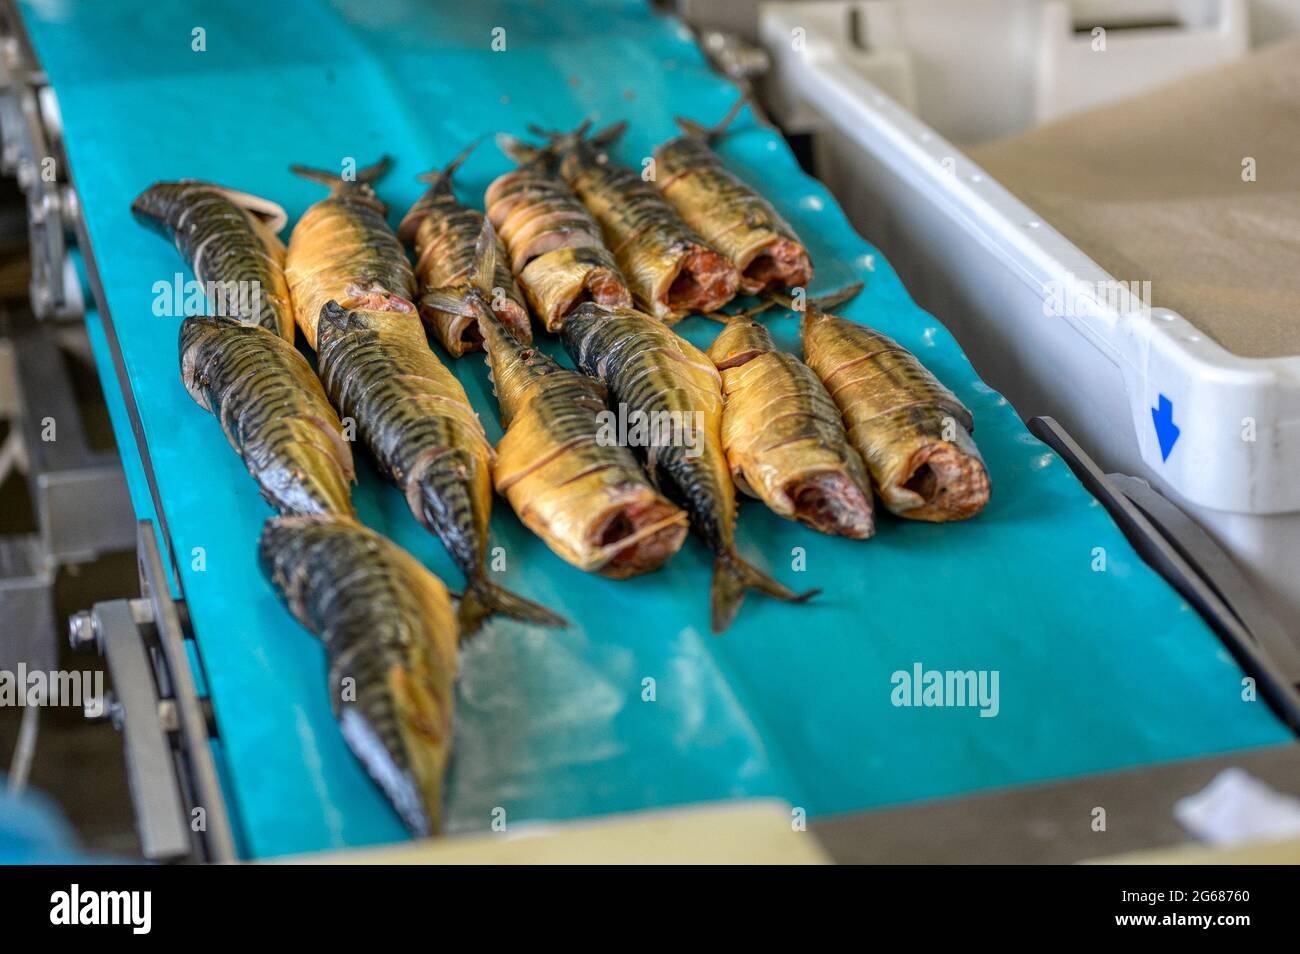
<point x="443" y="230"/>
<point x="410" y="412"/>
<point x="583" y="494"/>
<point x="390" y="641"/>
<point x="273" y="411"/>
<point x="730" y="214"/>
<point x="342" y="250"/>
<point x="229" y="239"/>
<point x="674" y="390"/>
<point x="670" y="270"/>
<point x="555" y="247"/>
<point x="912" y="432"/>
<point x="784" y="436"/>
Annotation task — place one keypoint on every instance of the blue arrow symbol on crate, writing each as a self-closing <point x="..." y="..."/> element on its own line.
<point x="1166" y="430"/>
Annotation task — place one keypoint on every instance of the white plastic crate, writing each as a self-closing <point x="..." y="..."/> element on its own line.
<point x="857" y="74"/>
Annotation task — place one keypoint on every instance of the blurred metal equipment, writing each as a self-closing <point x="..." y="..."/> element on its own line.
<point x="734" y="58"/>
<point x="179" y="808"/>
<point x="79" y="493"/>
<point x="32" y="152"/>
<point x="26" y="603"/>
<point x="737" y="17"/>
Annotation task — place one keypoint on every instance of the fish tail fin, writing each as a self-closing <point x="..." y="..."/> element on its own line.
<point x="712" y="134"/>
<point x="753" y="311"/>
<point x="837" y="298"/>
<point x="483" y="599"/>
<point x="375" y="171"/>
<point x="363" y="176"/>
<point x="732" y="576"/>
<point x="560" y="136"/>
<point x="609" y="135"/>
<point x="813" y="306"/>
<point x="518" y="150"/>
<point x="558" y="142"/>
<point x="482" y="271"/>
<point x="443" y="175"/>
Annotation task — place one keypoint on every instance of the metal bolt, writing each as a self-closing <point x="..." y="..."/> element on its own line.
<point x="168" y="717"/>
<point x="82" y="632"/>
<point x="115" y="713"/>
<point x="69" y="207"/>
<point x="99" y="708"/>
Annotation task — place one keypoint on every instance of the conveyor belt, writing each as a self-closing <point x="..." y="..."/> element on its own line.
<point x="1097" y="670"/>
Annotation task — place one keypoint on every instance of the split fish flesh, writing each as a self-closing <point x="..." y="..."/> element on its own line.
<point x="585" y="495"/>
<point x="671" y="271"/>
<point x="913" y="433"/>
<point x="556" y="248"/>
<point x="410" y="411"/>
<point x="784" y="436"/>
<point x="731" y="215"/>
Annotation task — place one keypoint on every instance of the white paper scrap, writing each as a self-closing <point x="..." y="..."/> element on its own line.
<point x="1237" y="807"/>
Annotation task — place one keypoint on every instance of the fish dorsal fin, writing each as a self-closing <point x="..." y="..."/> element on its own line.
<point x="484" y="267"/>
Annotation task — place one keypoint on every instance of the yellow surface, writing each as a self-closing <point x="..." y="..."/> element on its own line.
<point x="1285" y="852"/>
<point x="750" y="832"/>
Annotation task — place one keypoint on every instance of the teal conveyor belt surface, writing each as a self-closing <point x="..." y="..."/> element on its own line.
<point x="1096" y="668"/>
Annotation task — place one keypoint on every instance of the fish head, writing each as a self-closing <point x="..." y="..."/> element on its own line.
<point x="401" y="732"/>
<point x="336" y="320"/>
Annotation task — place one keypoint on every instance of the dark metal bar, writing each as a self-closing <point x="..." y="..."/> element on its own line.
<point x="166" y="726"/>
<point x="1274" y="687"/>
<point x="159" y="808"/>
<point x="192" y="722"/>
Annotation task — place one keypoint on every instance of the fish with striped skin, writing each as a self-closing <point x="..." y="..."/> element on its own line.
<point x="556" y="249"/>
<point x="273" y="411"/>
<point x="443" y="230"/>
<point x="658" y="374"/>
<point x="587" y="498"/>
<point x="731" y="215"/>
<point x="671" y="271"/>
<point x="912" y="432"/>
<point x="784" y="436"/>
<point x="342" y="250"/>
<point x="390" y="641"/>
<point x="410" y="411"/>
<point x="229" y="238"/>
<point x="243" y="368"/>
